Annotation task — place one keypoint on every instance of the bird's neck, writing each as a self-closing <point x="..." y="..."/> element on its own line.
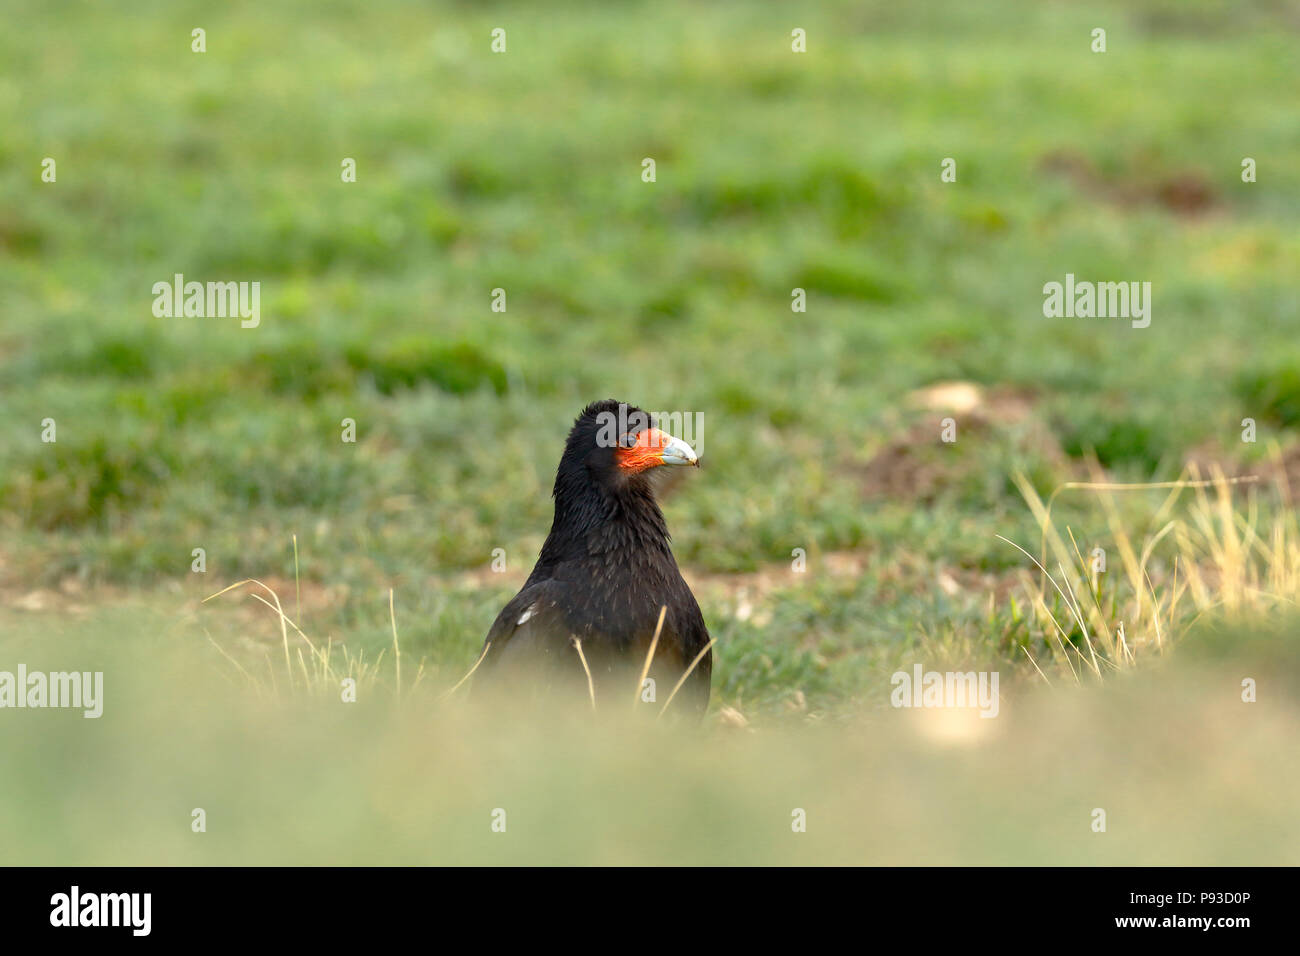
<point x="593" y="523"/>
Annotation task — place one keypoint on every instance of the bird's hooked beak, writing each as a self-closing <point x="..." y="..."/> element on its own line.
<point x="677" y="452"/>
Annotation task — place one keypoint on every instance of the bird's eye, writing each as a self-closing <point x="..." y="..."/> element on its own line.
<point x="628" y="441"/>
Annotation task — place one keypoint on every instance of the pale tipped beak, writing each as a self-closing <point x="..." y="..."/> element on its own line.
<point x="677" y="452"/>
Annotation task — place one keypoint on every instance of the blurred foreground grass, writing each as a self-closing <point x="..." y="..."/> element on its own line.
<point x="1186" y="772"/>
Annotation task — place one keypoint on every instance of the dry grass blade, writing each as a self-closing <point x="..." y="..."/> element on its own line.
<point x="486" y="647"/>
<point x="1068" y="603"/>
<point x="397" y="650"/>
<point x="682" y="680"/>
<point x="654" y="642"/>
<point x="1036" y="667"/>
<point x="239" y="667"/>
<point x="591" y="687"/>
<point x="297" y="582"/>
<point x="284" y="631"/>
<point x="322" y="659"/>
<point x="287" y="620"/>
<point x="1078" y="616"/>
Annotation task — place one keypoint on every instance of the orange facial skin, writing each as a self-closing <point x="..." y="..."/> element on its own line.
<point x="646" y="453"/>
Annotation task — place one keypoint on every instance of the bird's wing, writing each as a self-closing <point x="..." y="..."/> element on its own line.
<point x="531" y="616"/>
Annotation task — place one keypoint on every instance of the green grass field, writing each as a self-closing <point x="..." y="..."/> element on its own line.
<point x="775" y="171"/>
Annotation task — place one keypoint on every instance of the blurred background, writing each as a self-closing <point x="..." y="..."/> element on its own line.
<point x="775" y="170"/>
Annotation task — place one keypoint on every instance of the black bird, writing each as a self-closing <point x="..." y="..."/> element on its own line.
<point x="602" y="576"/>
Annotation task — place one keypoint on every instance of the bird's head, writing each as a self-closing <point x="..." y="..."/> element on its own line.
<point x="616" y="445"/>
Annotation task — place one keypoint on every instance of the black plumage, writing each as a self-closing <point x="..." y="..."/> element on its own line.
<point x="603" y="574"/>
